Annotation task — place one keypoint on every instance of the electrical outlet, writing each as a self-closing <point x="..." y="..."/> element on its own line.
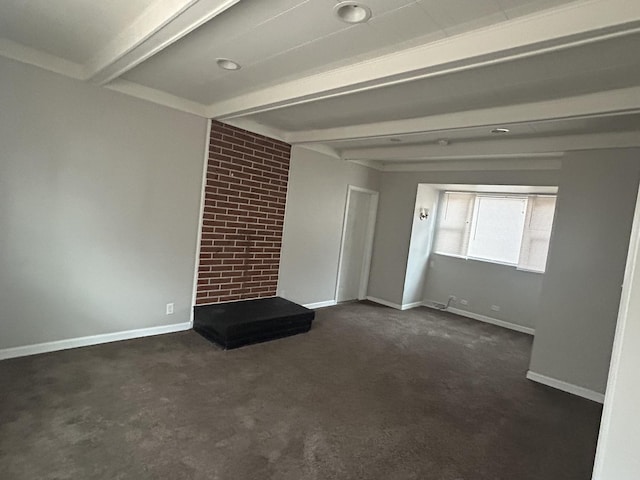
<point x="464" y="302"/>
<point x="453" y="298"/>
<point x="495" y="308"/>
<point x="169" y="308"/>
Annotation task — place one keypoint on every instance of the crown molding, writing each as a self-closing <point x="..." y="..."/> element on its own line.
<point x="157" y="96"/>
<point x="37" y="58"/>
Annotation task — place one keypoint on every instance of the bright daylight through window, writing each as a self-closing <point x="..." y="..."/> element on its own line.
<point x="512" y="229"/>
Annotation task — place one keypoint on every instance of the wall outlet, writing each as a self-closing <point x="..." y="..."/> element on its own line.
<point x="464" y="302"/>
<point x="169" y="308"/>
<point x="495" y="308"/>
<point x="453" y="298"/>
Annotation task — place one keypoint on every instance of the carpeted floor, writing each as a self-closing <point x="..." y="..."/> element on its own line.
<point x="370" y="393"/>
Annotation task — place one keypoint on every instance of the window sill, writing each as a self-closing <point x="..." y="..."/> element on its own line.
<point x="494" y="262"/>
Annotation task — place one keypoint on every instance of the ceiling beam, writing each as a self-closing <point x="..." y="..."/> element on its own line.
<point x="490" y="148"/>
<point x="563" y="27"/>
<point x="612" y="102"/>
<point x="163" y="23"/>
<point x="471" y="164"/>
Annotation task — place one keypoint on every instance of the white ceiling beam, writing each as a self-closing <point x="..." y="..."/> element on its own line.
<point x="620" y="101"/>
<point x="477" y="164"/>
<point x="570" y="25"/>
<point x="503" y="147"/>
<point x="163" y="23"/>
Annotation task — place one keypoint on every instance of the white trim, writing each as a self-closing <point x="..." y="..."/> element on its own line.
<point x="397" y="306"/>
<point x="408" y="306"/>
<point x="91" y="340"/>
<point x="203" y="188"/>
<point x="566" y="387"/>
<point x="326" y="303"/>
<point x="493" y="321"/>
<point x="385" y="303"/>
<point x="496" y="164"/>
<point x="156" y="96"/>
<point x="31" y="56"/>
<point x="628" y="286"/>
<point x="379" y="166"/>
<point x="368" y="248"/>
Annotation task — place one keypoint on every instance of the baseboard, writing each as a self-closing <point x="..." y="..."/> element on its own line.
<point x="566" y="387"/>
<point x="385" y="303"/>
<point x="397" y="306"/>
<point x="407" y="306"/>
<point x="91" y="340"/>
<point x="493" y="321"/>
<point x="326" y="303"/>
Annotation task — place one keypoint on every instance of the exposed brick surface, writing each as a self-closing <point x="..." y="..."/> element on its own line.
<point x="245" y="197"/>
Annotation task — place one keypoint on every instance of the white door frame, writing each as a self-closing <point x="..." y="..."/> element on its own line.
<point x="368" y="245"/>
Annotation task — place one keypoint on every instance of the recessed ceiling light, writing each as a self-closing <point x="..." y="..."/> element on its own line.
<point x="352" y="12"/>
<point x="395" y="139"/>
<point x="500" y="130"/>
<point x="227" y="64"/>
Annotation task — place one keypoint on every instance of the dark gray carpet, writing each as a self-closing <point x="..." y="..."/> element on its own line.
<point x="370" y="393"/>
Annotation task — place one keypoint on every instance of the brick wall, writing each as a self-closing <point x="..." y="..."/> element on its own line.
<point x="245" y="197"/>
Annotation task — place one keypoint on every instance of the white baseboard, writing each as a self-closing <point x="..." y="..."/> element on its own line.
<point x="493" y="321"/>
<point x="91" y="340"/>
<point x="566" y="387"/>
<point x="397" y="306"/>
<point x="408" y="306"/>
<point x="326" y="303"/>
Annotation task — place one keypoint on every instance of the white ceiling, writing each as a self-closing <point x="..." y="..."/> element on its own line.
<point x="556" y="74"/>
<point x="284" y="39"/>
<point x="559" y="73"/>
<point x="71" y="29"/>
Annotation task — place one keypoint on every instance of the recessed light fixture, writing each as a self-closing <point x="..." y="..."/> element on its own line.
<point x="500" y="130"/>
<point x="395" y="139"/>
<point x="227" y="64"/>
<point x="352" y="12"/>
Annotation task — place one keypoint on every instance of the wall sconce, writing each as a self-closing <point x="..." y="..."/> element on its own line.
<point x="424" y="213"/>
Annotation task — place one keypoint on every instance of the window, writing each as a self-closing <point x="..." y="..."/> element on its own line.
<point x="510" y="229"/>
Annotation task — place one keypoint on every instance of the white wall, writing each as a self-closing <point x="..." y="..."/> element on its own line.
<point x="617" y="456"/>
<point x="582" y="285"/>
<point x="420" y="244"/>
<point x="395" y="219"/>
<point x="314" y="215"/>
<point x="99" y="206"/>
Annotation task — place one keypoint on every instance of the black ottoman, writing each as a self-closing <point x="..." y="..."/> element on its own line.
<point x="234" y="324"/>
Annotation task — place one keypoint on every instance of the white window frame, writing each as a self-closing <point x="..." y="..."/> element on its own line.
<point x="474" y="219"/>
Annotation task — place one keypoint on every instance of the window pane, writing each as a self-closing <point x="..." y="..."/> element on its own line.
<point x="454" y="220"/>
<point x="537" y="233"/>
<point x="497" y="228"/>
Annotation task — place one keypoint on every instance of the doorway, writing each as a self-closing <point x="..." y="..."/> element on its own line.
<point x="357" y="243"/>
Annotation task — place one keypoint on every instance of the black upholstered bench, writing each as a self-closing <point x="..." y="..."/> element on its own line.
<point x="234" y="324"/>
